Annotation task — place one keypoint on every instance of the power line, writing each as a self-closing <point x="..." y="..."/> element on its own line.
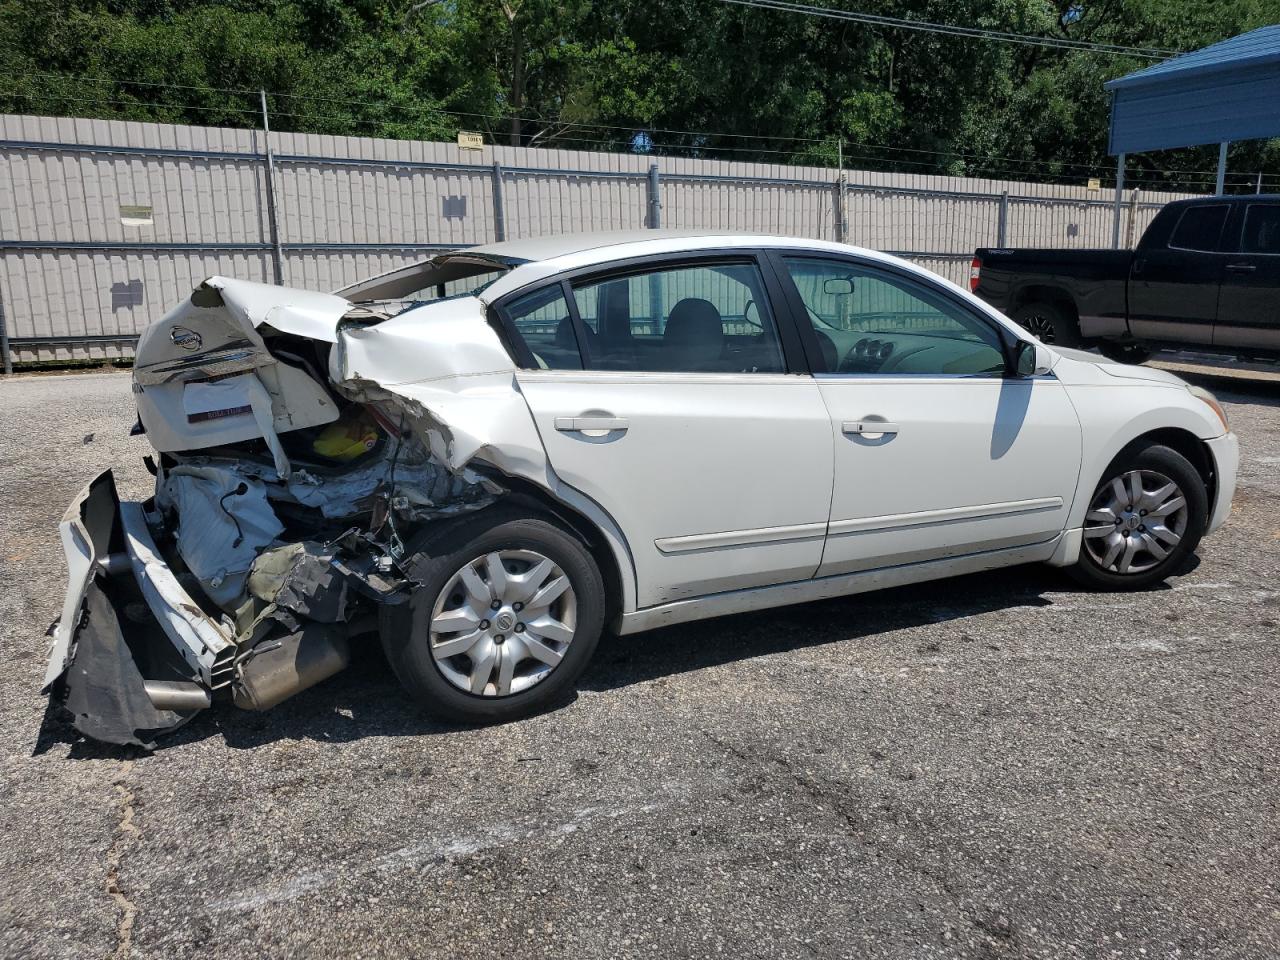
<point x="977" y="33"/>
<point x="978" y="164"/>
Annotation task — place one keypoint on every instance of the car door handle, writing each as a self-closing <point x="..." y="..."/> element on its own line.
<point x="869" y="426"/>
<point x="1241" y="267"/>
<point x="581" y="424"/>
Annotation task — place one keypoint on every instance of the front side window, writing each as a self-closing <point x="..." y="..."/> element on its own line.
<point x="869" y="321"/>
<point x="1261" y="229"/>
<point x="704" y="318"/>
<point x="1200" y="228"/>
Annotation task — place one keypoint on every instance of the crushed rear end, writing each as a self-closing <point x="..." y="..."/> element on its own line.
<point x="294" y="458"/>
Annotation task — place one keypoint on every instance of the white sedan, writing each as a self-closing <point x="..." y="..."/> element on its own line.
<point x="489" y="457"/>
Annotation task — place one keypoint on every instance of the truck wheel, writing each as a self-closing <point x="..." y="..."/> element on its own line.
<point x="1125" y="352"/>
<point x="505" y="615"/>
<point x="1145" y="517"/>
<point x="1048" y="323"/>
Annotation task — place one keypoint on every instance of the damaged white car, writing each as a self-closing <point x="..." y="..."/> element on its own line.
<point x="487" y="458"/>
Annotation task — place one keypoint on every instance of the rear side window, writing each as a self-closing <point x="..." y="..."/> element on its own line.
<point x="704" y="318"/>
<point x="542" y="320"/>
<point x="1200" y="228"/>
<point x="1261" y="229"/>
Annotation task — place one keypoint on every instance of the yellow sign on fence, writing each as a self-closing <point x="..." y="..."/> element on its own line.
<point x="470" y="141"/>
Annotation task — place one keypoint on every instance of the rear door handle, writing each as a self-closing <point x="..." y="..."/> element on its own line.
<point x="857" y="427"/>
<point x="582" y="424"/>
<point x="1241" y="267"/>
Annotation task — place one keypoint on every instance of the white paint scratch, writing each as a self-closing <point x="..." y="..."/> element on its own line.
<point x="427" y="852"/>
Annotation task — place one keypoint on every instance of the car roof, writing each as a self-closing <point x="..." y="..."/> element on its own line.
<point x="1228" y="198"/>
<point x="540" y="257"/>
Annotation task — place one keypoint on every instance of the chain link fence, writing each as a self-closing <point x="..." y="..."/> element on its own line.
<point x="105" y="225"/>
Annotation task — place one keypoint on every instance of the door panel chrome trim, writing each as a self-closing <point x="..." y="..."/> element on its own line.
<point x="949" y="515"/>
<point x="740" y="538"/>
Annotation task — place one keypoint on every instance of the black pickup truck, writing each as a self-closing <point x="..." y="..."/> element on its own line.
<point x="1205" y="276"/>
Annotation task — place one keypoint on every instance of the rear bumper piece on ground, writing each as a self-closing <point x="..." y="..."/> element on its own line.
<point x="127" y="686"/>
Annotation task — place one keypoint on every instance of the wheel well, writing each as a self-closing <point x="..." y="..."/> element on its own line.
<point x="1191" y="447"/>
<point x="538" y="501"/>
<point x="1051" y="295"/>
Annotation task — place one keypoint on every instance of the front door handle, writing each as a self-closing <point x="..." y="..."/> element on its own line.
<point x="584" y="424"/>
<point x="873" y="427"/>
<point x="1241" y="267"/>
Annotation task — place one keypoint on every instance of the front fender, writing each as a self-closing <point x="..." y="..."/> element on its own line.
<point x="1114" y="415"/>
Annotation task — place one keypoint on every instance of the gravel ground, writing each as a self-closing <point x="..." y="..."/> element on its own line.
<point x="996" y="766"/>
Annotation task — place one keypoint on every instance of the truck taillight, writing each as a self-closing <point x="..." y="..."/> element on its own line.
<point x="975" y="273"/>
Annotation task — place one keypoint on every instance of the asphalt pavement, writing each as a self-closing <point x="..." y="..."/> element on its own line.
<point x="995" y="766"/>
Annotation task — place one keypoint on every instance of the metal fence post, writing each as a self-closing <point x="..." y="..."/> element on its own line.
<point x="1002" y="225"/>
<point x="1133" y="217"/>
<point x="4" y="341"/>
<point x="842" y="209"/>
<point x="499" y="213"/>
<point x="277" y="253"/>
<point x="655" y="198"/>
<point x="1115" y="215"/>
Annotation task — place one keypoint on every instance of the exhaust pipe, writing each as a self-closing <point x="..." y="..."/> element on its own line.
<point x="290" y="664"/>
<point x="180" y="696"/>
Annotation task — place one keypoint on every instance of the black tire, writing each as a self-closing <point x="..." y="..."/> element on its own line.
<point x="1049" y="323"/>
<point x="432" y="561"/>
<point x="1147" y="456"/>
<point x="1134" y="353"/>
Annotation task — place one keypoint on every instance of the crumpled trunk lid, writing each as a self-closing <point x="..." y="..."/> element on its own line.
<point x="204" y="375"/>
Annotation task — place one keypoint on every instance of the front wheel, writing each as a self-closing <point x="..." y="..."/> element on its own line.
<point x="1145" y="518"/>
<point x="504" y="616"/>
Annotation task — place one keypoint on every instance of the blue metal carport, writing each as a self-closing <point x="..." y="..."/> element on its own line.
<point x="1224" y="92"/>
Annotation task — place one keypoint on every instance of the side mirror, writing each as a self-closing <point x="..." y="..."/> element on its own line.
<point x="836" y="286"/>
<point x="1031" y="359"/>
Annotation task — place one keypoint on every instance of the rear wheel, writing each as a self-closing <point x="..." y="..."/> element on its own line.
<point x="1145" y="518"/>
<point x="505" y="616"/>
<point x="1049" y="323"/>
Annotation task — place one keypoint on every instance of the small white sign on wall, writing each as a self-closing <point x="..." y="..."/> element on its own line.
<point x="136" y="215"/>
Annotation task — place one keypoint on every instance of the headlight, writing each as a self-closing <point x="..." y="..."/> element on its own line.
<point x="1201" y="393"/>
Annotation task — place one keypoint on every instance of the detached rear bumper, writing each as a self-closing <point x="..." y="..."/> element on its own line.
<point x="122" y="689"/>
<point x="1225" y="451"/>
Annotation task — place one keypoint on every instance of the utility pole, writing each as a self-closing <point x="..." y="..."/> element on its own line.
<point x="842" y="194"/>
<point x="277" y="253"/>
<point x="1115" y="222"/>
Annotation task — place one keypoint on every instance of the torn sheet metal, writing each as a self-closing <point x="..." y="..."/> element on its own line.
<point x="89" y="531"/>
<point x="224" y="522"/>
<point x="448" y="362"/>
<point x="301" y="577"/>
<point x="425" y="487"/>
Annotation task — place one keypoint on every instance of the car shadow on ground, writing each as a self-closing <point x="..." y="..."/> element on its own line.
<point x="366" y="700"/>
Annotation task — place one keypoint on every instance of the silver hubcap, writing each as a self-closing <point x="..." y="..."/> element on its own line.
<point x="503" y="622"/>
<point x="1134" y="521"/>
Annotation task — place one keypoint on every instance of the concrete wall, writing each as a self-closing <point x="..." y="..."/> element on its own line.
<point x="80" y="274"/>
